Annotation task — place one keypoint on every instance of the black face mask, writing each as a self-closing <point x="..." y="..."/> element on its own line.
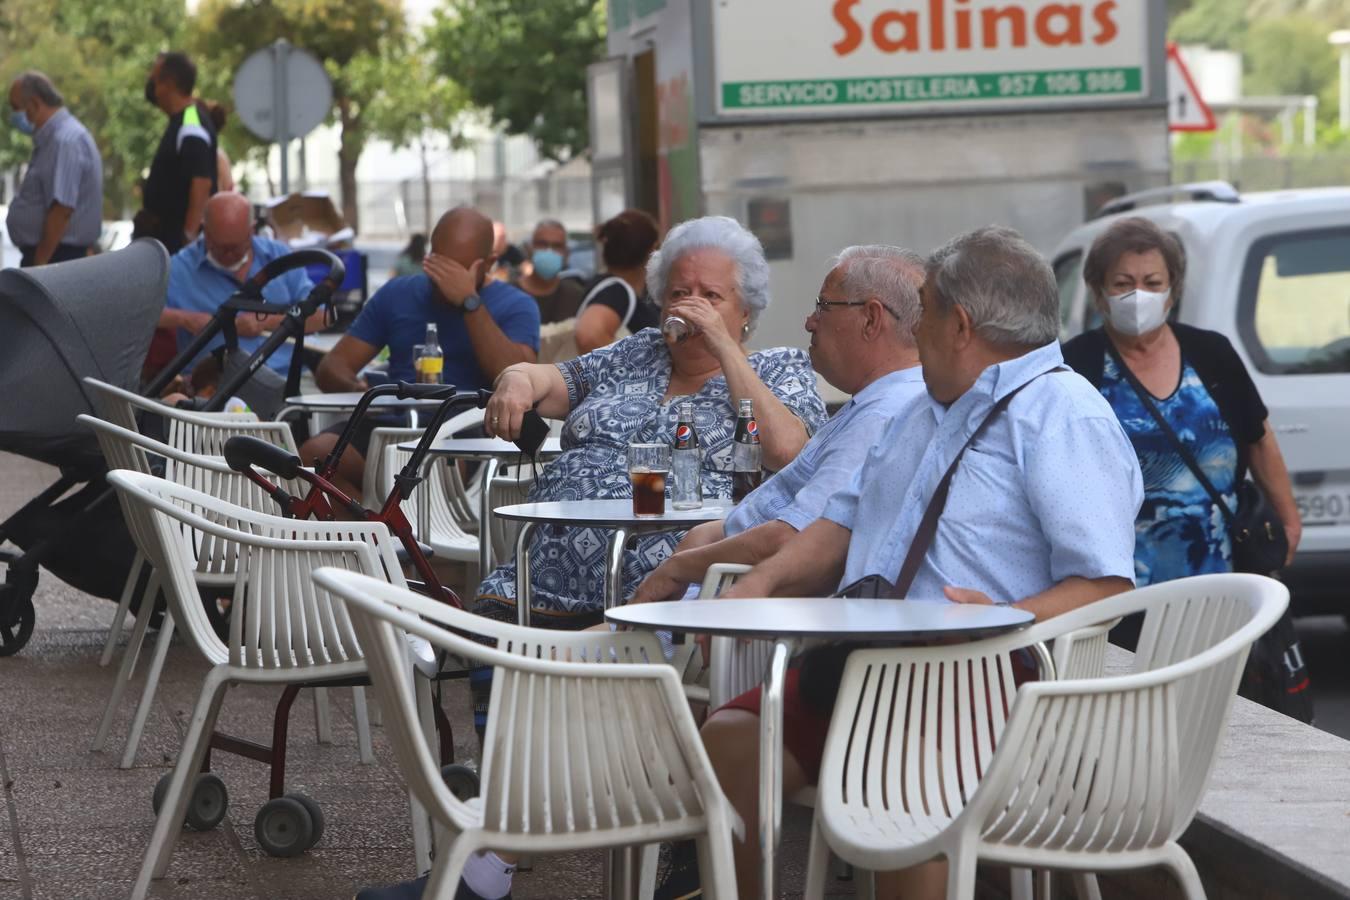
<point x="150" y="92"/>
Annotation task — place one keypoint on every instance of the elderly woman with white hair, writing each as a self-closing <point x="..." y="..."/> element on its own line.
<point x="712" y="273"/>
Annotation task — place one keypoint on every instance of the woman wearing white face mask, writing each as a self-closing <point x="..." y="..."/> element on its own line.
<point x="1148" y="367"/>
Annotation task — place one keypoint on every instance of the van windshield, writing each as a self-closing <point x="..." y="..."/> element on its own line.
<point x="1301" y="302"/>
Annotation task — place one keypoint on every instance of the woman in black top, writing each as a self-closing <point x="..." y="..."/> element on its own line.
<point x="1196" y="381"/>
<point x="620" y="298"/>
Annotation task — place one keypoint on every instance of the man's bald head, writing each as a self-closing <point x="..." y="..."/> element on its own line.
<point x="227" y="225"/>
<point x="464" y="235"/>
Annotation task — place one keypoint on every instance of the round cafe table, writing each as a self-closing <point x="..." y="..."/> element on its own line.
<point x="325" y="407"/>
<point x="491" y="451"/>
<point x="789" y="622"/>
<point x="616" y="516"/>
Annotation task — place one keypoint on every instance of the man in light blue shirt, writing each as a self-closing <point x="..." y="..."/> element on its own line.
<point x="862" y="342"/>
<point x="57" y="213"/>
<point x="211" y="269"/>
<point x="1041" y="508"/>
<point x="1040" y="511"/>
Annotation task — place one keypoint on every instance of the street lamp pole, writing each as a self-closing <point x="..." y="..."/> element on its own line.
<point x="1341" y="41"/>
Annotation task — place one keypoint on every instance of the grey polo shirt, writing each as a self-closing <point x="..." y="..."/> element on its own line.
<point x="65" y="168"/>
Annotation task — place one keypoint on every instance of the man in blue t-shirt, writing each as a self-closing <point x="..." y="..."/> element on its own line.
<point x="484" y="326"/>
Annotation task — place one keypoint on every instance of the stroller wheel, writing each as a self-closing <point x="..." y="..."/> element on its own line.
<point x="208" y="803"/>
<point x="461" y="780"/>
<point x="283" y="827"/>
<point x="315" y="814"/>
<point x="16" y="610"/>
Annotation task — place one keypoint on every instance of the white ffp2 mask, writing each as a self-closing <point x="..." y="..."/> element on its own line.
<point x="1137" y="312"/>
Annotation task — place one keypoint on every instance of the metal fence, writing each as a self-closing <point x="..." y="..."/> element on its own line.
<point x="395" y="209"/>
<point x="1268" y="173"/>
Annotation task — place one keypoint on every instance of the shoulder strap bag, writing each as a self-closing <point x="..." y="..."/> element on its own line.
<point x="1259" y="543"/>
<point x="822" y="668"/>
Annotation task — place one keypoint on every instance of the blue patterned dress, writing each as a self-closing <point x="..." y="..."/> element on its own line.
<point x="615" y="396"/>
<point x="1179" y="530"/>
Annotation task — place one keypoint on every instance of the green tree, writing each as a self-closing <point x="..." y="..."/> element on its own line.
<point x="524" y="63"/>
<point x="1289" y="56"/>
<point x="98" y="54"/>
<point x="410" y="102"/>
<point x="349" y="36"/>
<point x="1218" y="23"/>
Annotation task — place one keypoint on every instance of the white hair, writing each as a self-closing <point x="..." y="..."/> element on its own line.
<point x="725" y="235"/>
<point x="999" y="279"/>
<point x="893" y="275"/>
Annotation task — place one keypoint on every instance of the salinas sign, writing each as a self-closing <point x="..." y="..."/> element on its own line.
<point x="846" y="57"/>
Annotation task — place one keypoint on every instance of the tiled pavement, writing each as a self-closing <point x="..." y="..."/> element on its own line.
<point x="74" y="826"/>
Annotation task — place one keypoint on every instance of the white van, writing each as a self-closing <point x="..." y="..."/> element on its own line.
<point x="1271" y="271"/>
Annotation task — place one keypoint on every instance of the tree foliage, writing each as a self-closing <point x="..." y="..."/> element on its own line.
<point x="1289" y="55"/>
<point x="524" y="63"/>
<point x="347" y="35"/>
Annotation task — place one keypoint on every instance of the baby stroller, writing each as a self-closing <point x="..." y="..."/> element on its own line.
<point x="94" y="318"/>
<point x="59" y="324"/>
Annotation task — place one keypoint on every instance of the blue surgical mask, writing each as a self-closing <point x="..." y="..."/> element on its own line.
<point x="19" y="119"/>
<point x="547" y="263"/>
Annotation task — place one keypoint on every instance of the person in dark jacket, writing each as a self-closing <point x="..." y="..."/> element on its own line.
<point x="1195" y="379"/>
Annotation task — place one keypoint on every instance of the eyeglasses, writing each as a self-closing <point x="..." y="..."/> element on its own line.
<point x="822" y="304"/>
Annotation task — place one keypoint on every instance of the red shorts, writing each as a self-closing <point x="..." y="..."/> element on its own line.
<point x="805" y="727"/>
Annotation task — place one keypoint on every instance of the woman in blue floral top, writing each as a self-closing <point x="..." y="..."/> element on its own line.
<point x="1199" y="385"/>
<point x="712" y="273"/>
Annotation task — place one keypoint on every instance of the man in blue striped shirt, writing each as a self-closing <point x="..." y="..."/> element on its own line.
<point x="57" y="213"/>
<point x="862" y="342"/>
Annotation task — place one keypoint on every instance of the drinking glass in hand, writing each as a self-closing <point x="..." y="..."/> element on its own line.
<point x="648" y="466"/>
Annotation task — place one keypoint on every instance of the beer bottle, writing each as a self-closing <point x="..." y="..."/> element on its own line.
<point x="746" y="454"/>
<point x="430" y="358"/>
<point x="686" y="462"/>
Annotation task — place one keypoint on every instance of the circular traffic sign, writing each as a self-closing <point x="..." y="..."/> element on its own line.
<point x="299" y="102"/>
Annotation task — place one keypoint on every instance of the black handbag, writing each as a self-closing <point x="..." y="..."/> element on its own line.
<point x="1258" y="542"/>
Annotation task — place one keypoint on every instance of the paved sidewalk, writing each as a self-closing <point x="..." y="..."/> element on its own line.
<point x="75" y="826"/>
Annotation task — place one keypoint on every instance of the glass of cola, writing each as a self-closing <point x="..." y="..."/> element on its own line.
<point x="648" y="469"/>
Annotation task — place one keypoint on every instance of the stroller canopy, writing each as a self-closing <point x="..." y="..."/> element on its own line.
<point x="61" y="323"/>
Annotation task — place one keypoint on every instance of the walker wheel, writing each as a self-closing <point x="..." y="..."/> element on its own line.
<point x="461" y="780"/>
<point x="315" y="814"/>
<point x="16" y="610"/>
<point x="283" y="827"/>
<point x="208" y="804"/>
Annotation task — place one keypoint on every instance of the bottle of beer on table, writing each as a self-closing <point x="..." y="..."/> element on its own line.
<point x="746" y="454"/>
<point x="686" y="462"/>
<point x="430" y="361"/>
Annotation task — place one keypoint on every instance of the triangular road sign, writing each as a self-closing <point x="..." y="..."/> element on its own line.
<point x="1186" y="109"/>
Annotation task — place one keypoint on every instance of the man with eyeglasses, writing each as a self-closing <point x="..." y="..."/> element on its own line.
<point x="862" y="342"/>
<point x="211" y="269"/>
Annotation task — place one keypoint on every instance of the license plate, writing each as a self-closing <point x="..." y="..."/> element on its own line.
<point x="1323" y="506"/>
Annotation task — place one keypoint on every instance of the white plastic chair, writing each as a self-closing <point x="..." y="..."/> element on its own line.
<point x="931" y="753"/>
<point x="737" y="666"/>
<point x="589" y="743"/>
<point x="284" y="629"/>
<point x="194" y="432"/>
<point x="215" y="566"/>
<point x="191" y="432"/>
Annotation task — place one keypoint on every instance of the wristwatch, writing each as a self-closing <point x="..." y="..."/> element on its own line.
<point x="471" y="302"/>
